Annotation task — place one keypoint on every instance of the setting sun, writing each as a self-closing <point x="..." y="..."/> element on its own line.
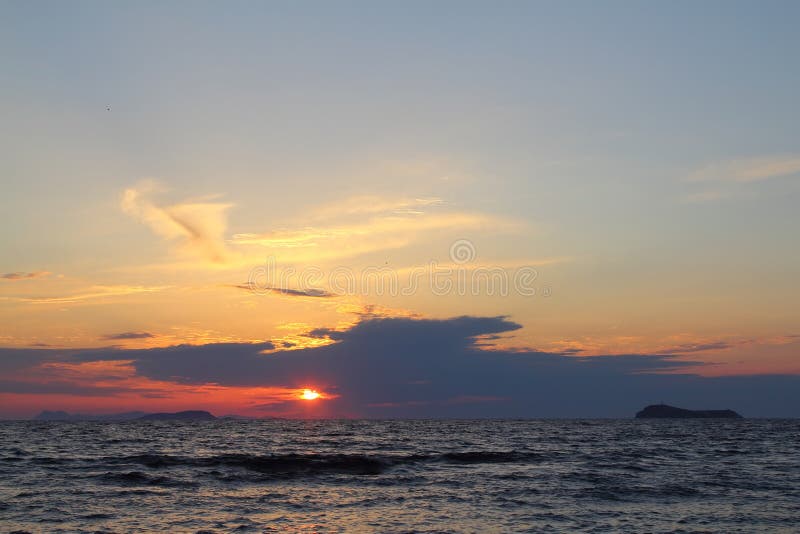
<point x="309" y="394"/>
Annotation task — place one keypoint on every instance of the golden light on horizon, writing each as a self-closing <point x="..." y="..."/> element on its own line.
<point x="310" y="394"/>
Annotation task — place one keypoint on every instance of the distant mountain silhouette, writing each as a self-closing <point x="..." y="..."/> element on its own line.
<point x="189" y="415"/>
<point x="663" y="411"/>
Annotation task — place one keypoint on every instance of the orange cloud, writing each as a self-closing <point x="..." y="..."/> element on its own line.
<point x="379" y="233"/>
<point x="199" y="227"/>
<point x="372" y="204"/>
<point x="93" y="293"/>
<point x="77" y="386"/>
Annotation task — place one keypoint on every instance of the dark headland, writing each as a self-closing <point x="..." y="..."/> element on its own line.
<point x="664" y="411"/>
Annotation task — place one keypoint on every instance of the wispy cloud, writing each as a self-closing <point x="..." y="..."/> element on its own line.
<point x="24" y="276"/>
<point x="362" y="205"/>
<point x="747" y="170"/>
<point x="690" y="348"/>
<point x="95" y="292"/>
<point x="129" y="335"/>
<point x="378" y="233"/>
<point x="198" y="226"/>
<point x="346" y="229"/>
<point x="379" y="226"/>
<point x="315" y="293"/>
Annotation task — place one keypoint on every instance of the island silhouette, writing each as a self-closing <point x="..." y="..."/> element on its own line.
<point x="664" y="411"/>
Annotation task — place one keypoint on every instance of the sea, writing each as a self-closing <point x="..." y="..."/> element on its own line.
<point x="401" y="476"/>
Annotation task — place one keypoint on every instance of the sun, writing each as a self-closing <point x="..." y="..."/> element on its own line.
<point x="310" y="394"/>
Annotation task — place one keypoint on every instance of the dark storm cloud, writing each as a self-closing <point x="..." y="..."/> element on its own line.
<point x="129" y="335"/>
<point x="222" y="363"/>
<point x="64" y="388"/>
<point x="12" y="360"/>
<point x="410" y="367"/>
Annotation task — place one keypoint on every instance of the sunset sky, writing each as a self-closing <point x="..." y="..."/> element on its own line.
<point x="187" y="186"/>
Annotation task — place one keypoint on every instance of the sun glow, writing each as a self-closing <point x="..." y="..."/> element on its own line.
<point x="310" y="394"/>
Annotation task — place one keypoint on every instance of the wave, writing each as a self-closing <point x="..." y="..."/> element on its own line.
<point x="123" y="470"/>
<point x="352" y="464"/>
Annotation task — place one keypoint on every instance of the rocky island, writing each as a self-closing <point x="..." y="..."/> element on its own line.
<point x="664" y="411"/>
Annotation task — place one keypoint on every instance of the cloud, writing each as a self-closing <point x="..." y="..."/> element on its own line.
<point x="16" y="360"/>
<point x="24" y="276"/>
<point x="198" y="226"/>
<point x="30" y="383"/>
<point x="748" y="170"/>
<point x="412" y="367"/>
<point x="346" y="229"/>
<point x="61" y="387"/>
<point x="129" y="335"/>
<point x="689" y="348"/>
<point x="385" y="232"/>
<point x="372" y="204"/>
<point x="312" y="292"/>
<point x="93" y="293"/>
<point x="366" y="224"/>
<point x="375" y="227"/>
<point x="417" y="367"/>
<point x="726" y="344"/>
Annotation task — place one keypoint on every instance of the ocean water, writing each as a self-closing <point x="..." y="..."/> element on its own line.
<point x="401" y="476"/>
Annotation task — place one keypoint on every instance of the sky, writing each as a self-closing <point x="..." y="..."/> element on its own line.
<point x="449" y="209"/>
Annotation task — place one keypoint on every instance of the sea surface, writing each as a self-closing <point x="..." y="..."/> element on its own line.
<point x="401" y="476"/>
